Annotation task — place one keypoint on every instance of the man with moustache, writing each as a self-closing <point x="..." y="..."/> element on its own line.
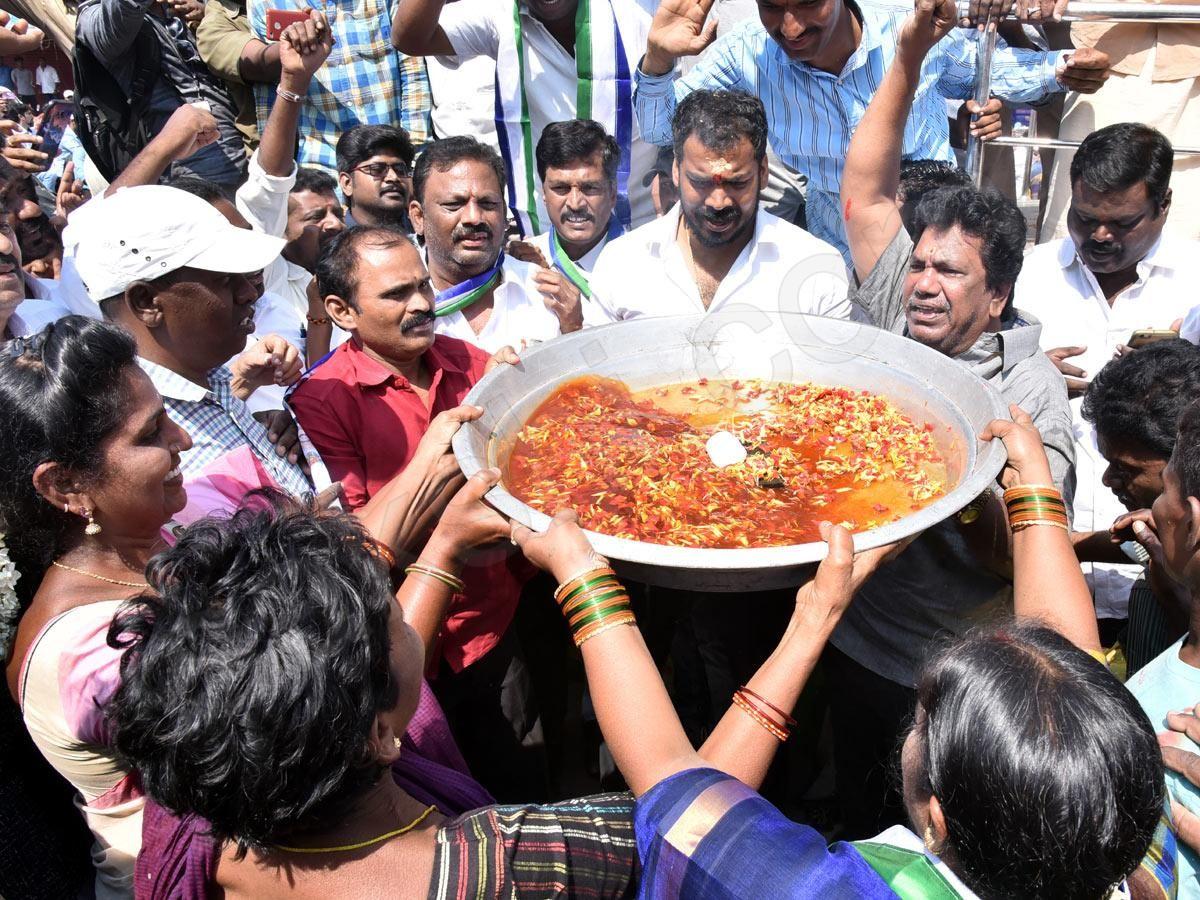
<point x="171" y="270"/>
<point x="483" y="296"/>
<point x="816" y="65"/>
<point x="374" y="165"/>
<point x="366" y="409"/>
<point x="950" y="288"/>
<point x="716" y="249"/>
<point x="1116" y="273"/>
<point x="577" y="163"/>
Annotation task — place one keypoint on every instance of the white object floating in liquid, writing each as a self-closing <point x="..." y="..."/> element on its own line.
<point x="724" y="449"/>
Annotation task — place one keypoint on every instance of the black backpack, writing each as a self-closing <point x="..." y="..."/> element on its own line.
<point x="111" y="126"/>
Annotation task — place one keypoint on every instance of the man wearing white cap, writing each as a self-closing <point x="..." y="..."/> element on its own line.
<point x="179" y="277"/>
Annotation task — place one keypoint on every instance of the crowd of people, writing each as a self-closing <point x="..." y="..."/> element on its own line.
<point x="262" y="638"/>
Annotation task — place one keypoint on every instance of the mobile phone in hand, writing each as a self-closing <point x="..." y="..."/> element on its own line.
<point x="1144" y="337"/>
<point x="279" y="19"/>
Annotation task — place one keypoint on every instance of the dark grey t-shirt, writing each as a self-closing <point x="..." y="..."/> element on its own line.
<point x="937" y="587"/>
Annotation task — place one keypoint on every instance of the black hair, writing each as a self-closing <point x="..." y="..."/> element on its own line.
<point x="201" y="187"/>
<point x="1122" y="155"/>
<point x="362" y="142"/>
<point x="577" y="140"/>
<point x="1046" y="768"/>
<point x="250" y="684"/>
<point x="444" y="154"/>
<point x="1139" y="397"/>
<point x="318" y="181"/>
<point x="920" y="176"/>
<point x="62" y="393"/>
<point x="719" y="120"/>
<point x="987" y="215"/>
<point x="337" y="269"/>
<point x="1186" y="458"/>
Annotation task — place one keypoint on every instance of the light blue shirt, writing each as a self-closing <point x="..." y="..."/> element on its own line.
<point x="1168" y="684"/>
<point x="70" y="149"/>
<point x="811" y="114"/>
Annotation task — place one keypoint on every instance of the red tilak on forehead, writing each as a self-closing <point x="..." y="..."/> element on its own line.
<point x="718" y="179"/>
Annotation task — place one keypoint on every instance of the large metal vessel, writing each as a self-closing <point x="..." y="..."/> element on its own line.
<point x="743" y="344"/>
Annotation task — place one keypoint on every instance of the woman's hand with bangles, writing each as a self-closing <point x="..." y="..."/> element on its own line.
<point x="562" y="550"/>
<point x="1027" y="462"/>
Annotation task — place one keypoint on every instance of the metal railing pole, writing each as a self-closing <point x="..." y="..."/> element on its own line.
<point x="983" y="90"/>
<point x="1121" y="11"/>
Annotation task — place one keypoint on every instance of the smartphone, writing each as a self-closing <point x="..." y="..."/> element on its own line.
<point x="1144" y="337"/>
<point x="52" y="127"/>
<point x="279" y="19"/>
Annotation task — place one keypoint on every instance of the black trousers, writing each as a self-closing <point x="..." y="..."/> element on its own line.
<point x="494" y="716"/>
<point x="870" y="716"/>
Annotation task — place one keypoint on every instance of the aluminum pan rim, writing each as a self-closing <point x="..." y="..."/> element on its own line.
<point x="989" y="460"/>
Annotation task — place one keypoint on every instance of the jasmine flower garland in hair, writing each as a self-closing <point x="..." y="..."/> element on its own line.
<point x="10" y="607"/>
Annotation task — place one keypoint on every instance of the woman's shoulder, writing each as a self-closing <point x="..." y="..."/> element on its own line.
<point x="69" y="671"/>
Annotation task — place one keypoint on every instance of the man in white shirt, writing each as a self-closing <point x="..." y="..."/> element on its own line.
<point x="716" y="249"/>
<point x="483" y="296"/>
<point x="577" y="164"/>
<point x="22" y="78"/>
<point x="540" y="75"/>
<point x="47" y="79"/>
<point x="1115" y="274"/>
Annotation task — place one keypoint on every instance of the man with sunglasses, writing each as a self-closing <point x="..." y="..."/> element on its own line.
<point x="375" y="173"/>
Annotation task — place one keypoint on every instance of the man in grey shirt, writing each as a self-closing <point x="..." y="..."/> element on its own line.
<point x="952" y="291"/>
<point x="109" y="29"/>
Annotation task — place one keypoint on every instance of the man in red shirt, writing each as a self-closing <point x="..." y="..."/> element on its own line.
<point x="365" y="409"/>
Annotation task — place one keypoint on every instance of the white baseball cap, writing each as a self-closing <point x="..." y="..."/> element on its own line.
<point x="142" y="233"/>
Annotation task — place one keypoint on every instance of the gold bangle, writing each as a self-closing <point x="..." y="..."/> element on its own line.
<point x="1021" y="526"/>
<point x="569" y="582"/>
<point x="758" y="718"/>
<point x="626" y="618"/>
<point x="453" y="582"/>
<point x="317" y="320"/>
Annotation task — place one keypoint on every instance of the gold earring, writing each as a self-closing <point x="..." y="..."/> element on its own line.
<point x="929" y="837"/>
<point x="397" y="742"/>
<point x="93" y="527"/>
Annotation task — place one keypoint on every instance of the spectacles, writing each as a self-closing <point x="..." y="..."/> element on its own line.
<point x="379" y="170"/>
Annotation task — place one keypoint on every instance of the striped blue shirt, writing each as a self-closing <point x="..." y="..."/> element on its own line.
<point x="811" y="114"/>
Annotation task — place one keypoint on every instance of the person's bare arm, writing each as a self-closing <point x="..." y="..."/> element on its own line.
<point x="415" y="29"/>
<point x="405" y="509"/>
<point x="871" y="175"/>
<point x="467" y="523"/>
<point x="189" y="129"/>
<point x="303" y="48"/>
<point x="1047" y="582"/>
<point x="632" y="705"/>
<point x="259" y="62"/>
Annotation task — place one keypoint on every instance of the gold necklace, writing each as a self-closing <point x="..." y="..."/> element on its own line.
<point x="371" y="842"/>
<point x="99" y="577"/>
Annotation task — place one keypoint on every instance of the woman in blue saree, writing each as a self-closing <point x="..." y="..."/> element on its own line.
<point x="1029" y="771"/>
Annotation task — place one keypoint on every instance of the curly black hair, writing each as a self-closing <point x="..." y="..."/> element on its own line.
<point x="1139" y="397"/>
<point x="62" y="392"/>
<point x="987" y="215"/>
<point x="250" y="684"/>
